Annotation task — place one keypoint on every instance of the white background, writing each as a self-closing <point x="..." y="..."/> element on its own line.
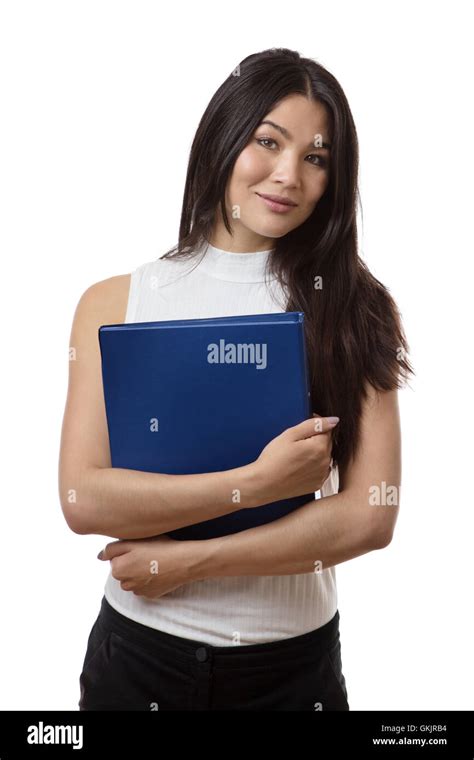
<point x="100" y="102"/>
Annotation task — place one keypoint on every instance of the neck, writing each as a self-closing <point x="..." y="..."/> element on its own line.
<point x="241" y="241"/>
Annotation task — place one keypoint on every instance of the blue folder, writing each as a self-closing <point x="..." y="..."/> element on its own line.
<point x="203" y="395"/>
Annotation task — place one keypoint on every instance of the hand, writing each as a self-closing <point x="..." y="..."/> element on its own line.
<point x="150" y="567"/>
<point x="298" y="461"/>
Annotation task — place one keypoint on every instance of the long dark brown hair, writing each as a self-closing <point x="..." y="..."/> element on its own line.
<point x="354" y="332"/>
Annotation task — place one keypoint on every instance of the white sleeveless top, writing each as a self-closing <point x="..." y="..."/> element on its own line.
<point x="259" y="608"/>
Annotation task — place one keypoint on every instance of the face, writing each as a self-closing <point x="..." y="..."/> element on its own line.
<point x="285" y="159"/>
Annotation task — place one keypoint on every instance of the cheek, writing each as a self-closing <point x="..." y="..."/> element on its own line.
<point x="250" y="166"/>
<point x="317" y="189"/>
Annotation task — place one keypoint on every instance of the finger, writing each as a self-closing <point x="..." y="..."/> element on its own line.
<point x="319" y="427"/>
<point x="114" y="549"/>
<point x="311" y="427"/>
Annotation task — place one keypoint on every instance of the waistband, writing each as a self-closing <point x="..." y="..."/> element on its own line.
<point x="307" y="645"/>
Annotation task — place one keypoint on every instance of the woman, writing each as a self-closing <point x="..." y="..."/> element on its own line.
<point x="268" y="224"/>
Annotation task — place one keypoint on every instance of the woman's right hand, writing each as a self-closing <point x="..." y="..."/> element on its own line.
<point x="297" y="461"/>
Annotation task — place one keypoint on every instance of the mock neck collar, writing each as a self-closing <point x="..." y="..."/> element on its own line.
<point x="249" y="266"/>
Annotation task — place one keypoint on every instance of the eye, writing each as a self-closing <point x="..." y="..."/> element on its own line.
<point x="261" y="140"/>
<point x="321" y="161"/>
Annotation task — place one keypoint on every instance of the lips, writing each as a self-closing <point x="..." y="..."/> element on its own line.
<point x="278" y="199"/>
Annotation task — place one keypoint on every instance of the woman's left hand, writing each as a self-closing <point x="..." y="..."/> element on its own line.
<point x="151" y="567"/>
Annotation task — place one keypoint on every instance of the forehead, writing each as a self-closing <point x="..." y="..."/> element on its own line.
<point x="301" y="119"/>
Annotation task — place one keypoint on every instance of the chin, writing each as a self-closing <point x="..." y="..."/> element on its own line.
<point x="274" y="231"/>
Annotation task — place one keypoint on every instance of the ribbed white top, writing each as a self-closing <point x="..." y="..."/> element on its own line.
<point x="259" y="608"/>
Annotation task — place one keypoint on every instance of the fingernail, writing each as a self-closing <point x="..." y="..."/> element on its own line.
<point x="333" y="420"/>
<point x="99" y="556"/>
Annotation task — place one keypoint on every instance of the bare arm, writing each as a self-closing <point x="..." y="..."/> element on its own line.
<point x="333" y="529"/>
<point x="132" y="504"/>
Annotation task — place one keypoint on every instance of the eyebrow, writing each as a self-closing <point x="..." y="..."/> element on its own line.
<point x="285" y="133"/>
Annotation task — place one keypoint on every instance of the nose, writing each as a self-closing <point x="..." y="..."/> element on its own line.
<point x="287" y="170"/>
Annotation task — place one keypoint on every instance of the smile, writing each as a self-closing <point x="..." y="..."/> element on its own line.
<point x="280" y="208"/>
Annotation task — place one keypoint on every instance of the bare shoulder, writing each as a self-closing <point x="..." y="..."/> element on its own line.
<point x="105" y="301"/>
